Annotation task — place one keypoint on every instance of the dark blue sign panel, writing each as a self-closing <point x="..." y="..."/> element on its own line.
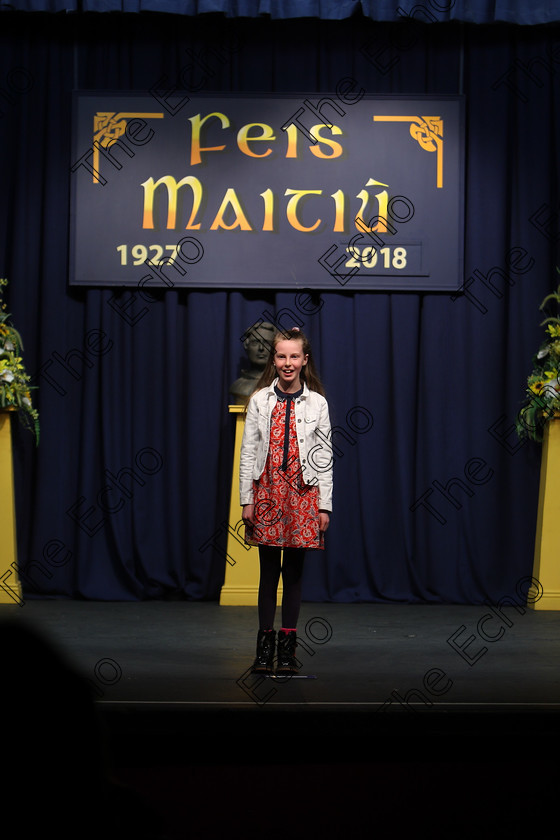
<point x="282" y="192"/>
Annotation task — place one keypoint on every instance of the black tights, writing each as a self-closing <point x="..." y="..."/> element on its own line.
<point x="292" y="570"/>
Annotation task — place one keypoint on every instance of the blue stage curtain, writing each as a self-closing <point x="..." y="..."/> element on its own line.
<point x="126" y="497"/>
<point x="428" y="11"/>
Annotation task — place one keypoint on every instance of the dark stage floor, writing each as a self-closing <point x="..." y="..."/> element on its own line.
<point x="394" y="700"/>
<point x="372" y="661"/>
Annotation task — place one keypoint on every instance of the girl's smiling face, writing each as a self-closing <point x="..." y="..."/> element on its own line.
<point x="289" y="359"/>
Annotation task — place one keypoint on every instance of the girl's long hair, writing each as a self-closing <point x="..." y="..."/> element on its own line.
<point x="308" y="374"/>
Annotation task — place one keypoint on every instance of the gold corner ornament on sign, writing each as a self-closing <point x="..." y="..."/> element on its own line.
<point x="428" y="133"/>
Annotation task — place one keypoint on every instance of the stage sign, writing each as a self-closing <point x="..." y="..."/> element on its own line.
<point x="315" y="191"/>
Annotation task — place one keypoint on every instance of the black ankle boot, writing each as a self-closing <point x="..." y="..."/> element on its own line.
<point x="287" y="662"/>
<point x="264" y="660"/>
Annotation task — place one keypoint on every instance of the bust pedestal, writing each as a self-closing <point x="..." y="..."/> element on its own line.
<point x="241" y="584"/>
<point x="10" y="587"/>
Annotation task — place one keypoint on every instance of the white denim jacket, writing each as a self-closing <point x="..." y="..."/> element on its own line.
<point x="313" y="437"/>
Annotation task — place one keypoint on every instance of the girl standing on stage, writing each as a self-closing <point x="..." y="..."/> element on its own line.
<point x="285" y="478"/>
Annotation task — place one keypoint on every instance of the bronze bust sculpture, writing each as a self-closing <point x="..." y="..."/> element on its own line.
<point x="257" y="341"/>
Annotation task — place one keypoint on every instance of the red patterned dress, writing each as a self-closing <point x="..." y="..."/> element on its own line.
<point x="286" y="509"/>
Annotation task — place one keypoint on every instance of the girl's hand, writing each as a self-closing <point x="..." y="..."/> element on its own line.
<point x="248" y="514"/>
<point x="323" y="521"/>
